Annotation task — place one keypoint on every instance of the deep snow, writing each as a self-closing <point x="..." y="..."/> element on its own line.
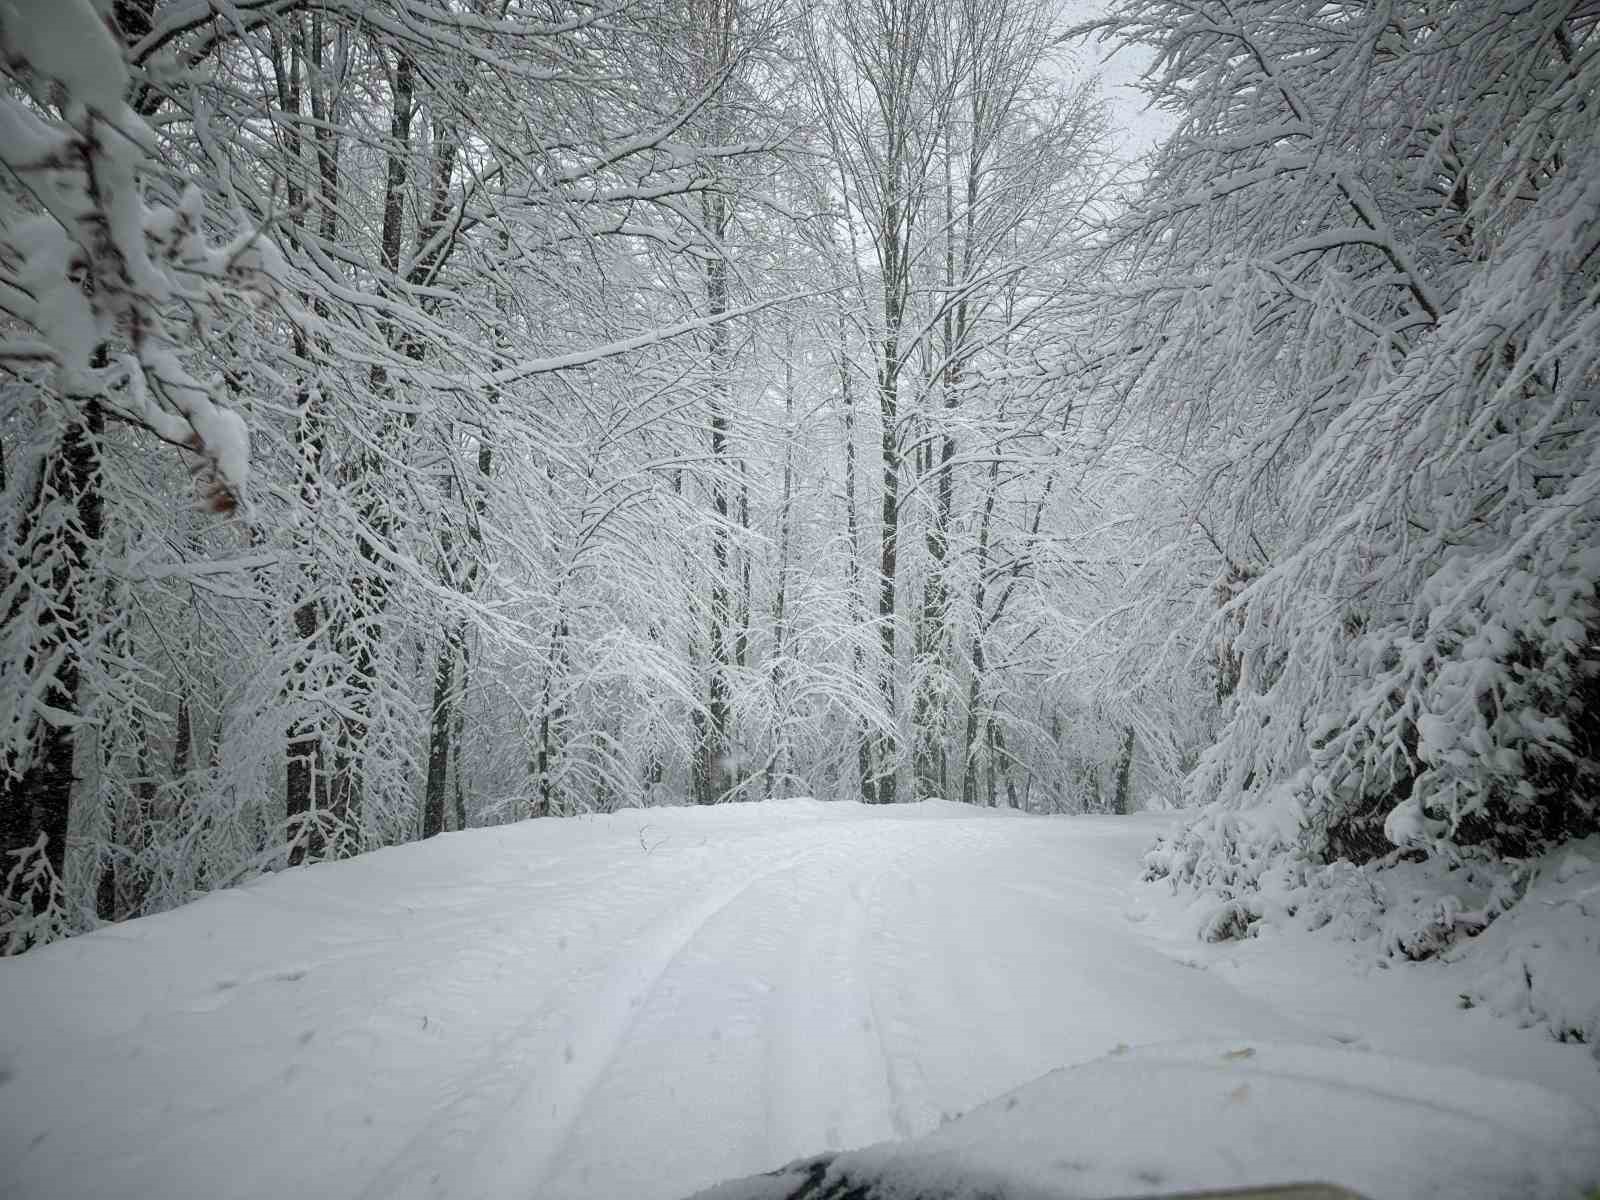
<point x="642" y="1004"/>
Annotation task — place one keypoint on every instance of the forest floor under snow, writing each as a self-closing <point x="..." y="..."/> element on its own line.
<point x="638" y="1005"/>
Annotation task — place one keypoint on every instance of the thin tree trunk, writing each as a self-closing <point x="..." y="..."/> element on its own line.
<point x="551" y="720"/>
<point x="1000" y="760"/>
<point x="725" y="646"/>
<point x="780" y="616"/>
<point x="444" y="723"/>
<point x="980" y="601"/>
<point x="460" y="791"/>
<point x="888" y="548"/>
<point x="440" y="726"/>
<point x="714" y="750"/>
<point x="868" y="783"/>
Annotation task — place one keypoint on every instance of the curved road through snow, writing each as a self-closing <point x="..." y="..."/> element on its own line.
<point x="629" y="1006"/>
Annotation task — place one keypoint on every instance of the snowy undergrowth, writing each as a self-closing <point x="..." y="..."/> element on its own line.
<point x="1541" y="963"/>
<point x="1526" y="932"/>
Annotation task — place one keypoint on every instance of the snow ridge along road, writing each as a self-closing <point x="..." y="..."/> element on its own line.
<point x="639" y="1005"/>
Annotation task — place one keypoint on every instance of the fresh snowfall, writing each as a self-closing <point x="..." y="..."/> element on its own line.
<point x="642" y="1004"/>
<point x="771" y="600"/>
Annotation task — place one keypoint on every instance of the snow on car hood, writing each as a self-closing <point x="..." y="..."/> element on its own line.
<point x="1179" y="1118"/>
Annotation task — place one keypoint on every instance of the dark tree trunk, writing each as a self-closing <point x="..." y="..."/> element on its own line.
<point x="1122" y="800"/>
<point x="551" y="720"/>
<point x="460" y="726"/>
<point x="306" y="775"/>
<point x="980" y="605"/>
<point x="439" y="730"/>
<point x="306" y="781"/>
<point x="40" y="801"/>
<point x="360" y="631"/>
<point x="718" y="717"/>
<point x="717" y="731"/>
<point x="889" y="545"/>
<point x="780" y="627"/>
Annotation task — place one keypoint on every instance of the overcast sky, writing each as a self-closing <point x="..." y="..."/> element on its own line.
<point x="1139" y="128"/>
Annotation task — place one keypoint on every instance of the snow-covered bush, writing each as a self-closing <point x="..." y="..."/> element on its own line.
<point x="1253" y="865"/>
<point x="1478" y="727"/>
<point x="1226" y="850"/>
<point x="1541" y="964"/>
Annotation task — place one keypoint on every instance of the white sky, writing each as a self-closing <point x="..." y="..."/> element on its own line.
<point x="1139" y="128"/>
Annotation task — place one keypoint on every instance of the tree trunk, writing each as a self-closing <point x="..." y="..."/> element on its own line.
<point x="306" y="774"/>
<point x="461" y="721"/>
<point x="714" y="748"/>
<point x="39" y="802"/>
<point x="440" y="726"/>
<point x="868" y="784"/>
<point x="1122" y="799"/>
<point x="980" y="604"/>
<point x="888" y="753"/>
<point x="550" y="738"/>
<point x="780" y="616"/>
<point x="726" y="646"/>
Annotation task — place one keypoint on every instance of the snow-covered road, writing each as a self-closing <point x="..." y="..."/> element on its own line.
<point x="636" y="1006"/>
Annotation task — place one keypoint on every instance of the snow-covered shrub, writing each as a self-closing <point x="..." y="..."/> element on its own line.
<point x="1540" y="964"/>
<point x="1474" y="727"/>
<point x="1345" y="900"/>
<point x="1405" y="904"/>
<point x="1226" y="850"/>
<point x="1230" y="921"/>
<point x="1246" y="858"/>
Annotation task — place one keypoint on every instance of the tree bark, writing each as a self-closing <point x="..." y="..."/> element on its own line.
<point x="726" y="646"/>
<point x="868" y="783"/>
<point x="1122" y="799"/>
<point x="39" y="801"/>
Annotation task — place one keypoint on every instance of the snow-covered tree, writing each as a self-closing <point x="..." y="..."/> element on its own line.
<point x="113" y="277"/>
<point x="1361" y="285"/>
<point x="595" y="362"/>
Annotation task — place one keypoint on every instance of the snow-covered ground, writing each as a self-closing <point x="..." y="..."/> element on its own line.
<point x="642" y="1004"/>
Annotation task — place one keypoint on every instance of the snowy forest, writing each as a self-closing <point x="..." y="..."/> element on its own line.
<point x="419" y="415"/>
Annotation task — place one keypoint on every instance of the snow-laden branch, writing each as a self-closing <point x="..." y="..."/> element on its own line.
<point x="577" y="359"/>
<point x="99" y="273"/>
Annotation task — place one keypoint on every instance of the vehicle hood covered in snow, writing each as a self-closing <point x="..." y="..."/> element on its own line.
<point x="1183" y="1118"/>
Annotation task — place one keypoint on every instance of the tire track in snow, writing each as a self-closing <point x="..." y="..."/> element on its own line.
<point x="927" y="949"/>
<point x="893" y="1077"/>
<point x="758" y="988"/>
<point x="827" y="1079"/>
<point x="765" y="1019"/>
<point x="510" y="1119"/>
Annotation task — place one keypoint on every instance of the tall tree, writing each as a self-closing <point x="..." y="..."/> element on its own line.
<point x="1365" y="266"/>
<point x="107" y="271"/>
